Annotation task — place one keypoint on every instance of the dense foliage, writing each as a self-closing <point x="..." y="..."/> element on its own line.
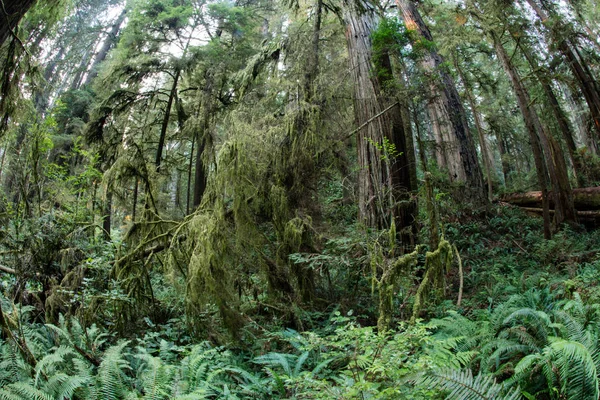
<point x="312" y="199"/>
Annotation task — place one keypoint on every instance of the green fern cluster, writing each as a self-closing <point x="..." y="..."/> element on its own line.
<point x="548" y="348"/>
<point x="73" y="362"/>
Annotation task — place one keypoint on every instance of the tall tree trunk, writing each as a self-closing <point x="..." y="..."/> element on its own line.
<point x="504" y="149"/>
<point x="485" y="154"/>
<point x="135" y="198"/>
<point x="82" y="68"/>
<point x="383" y="179"/>
<point x="189" y="177"/>
<point x="165" y="121"/>
<point x="534" y="141"/>
<point x="312" y="66"/>
<point x="587" y="83"/>
<point x="559" y="114"/>
<point x="205" y="111"/>
<point x="200" y="177"/>
<point x="549" y="166"/>
<point x="446" y="110"/>
<point x="109" y="42"/>
<point x="577" y="111"/>
<point x="107" y="213"/>
<point x="41" y="96"/>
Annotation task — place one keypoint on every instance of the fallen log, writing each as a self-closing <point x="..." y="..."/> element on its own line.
<point x="584" y="199"/>
<point x="582" y="215"/>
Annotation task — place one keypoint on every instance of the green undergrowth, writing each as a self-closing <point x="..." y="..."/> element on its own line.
<point x="528" y="327"/>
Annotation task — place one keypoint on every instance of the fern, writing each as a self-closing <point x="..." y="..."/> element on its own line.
<point x="111" y="380"/>
<point x="579" y="373"/>
<point x="157" y="378"/>
<point x="62" y="386"/>
<point x="23" y="391"/>
<point x="463" y="386"/>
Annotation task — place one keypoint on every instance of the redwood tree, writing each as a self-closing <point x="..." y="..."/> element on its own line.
<point x="384" y="176"/>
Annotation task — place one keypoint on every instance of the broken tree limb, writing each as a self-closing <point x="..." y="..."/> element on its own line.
<point x="8" y="270"/>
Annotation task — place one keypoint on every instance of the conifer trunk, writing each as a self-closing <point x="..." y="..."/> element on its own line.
<point x="503" y="148"/>
<point x="200" y="178"/>
<point x="165" y="121"/>
<point x="550" y="168"/>
<point x="107" y="213"/>
<point x="384" y="178"/>
<point x="109" y="42"/>
<point x="534" y="141"/>
<point x="485" y="154"/>
<point x="189" y="177"/>
<point x="559" y="114"/>
<point x="445" y="108"/>
<point x="587" y="84"/>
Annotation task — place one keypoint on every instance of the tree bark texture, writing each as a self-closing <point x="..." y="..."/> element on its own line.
<point x="456" y="149"/>
<point x="384" y="178"/>
<point x="587" y="83"/>
<point x="548" y="158"/>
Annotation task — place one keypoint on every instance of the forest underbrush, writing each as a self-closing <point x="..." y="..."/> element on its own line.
<point x="527" y="325"/>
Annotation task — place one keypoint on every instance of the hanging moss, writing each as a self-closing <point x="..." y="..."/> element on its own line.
<point x="210" y="281"/>
<point x="437" y="265"/>
<point x="386" y="283"/>
<point x="59" y="300"/>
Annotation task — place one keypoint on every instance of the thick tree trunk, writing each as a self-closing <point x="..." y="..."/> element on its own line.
<point x="552" y="165"/>
<point x="445" y="108"/>
<point x="384" y="178"/>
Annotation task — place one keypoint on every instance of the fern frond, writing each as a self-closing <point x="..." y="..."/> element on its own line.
<point x="579" y="375"/>
<point x="62" y="386"/>
<point x="51" y="362"/>
<point x="463" y="386"/>
<point x="111" y="377"/>
<point x="24" y="391"/>
<point x="276" y="360"/>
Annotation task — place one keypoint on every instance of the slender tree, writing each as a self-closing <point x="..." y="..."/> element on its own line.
<point x="569" y="49"/>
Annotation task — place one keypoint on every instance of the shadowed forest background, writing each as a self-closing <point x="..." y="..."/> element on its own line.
<point x="307" y="199"/>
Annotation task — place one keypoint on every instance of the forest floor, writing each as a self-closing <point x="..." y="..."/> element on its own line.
<point x="527" y="327"/>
